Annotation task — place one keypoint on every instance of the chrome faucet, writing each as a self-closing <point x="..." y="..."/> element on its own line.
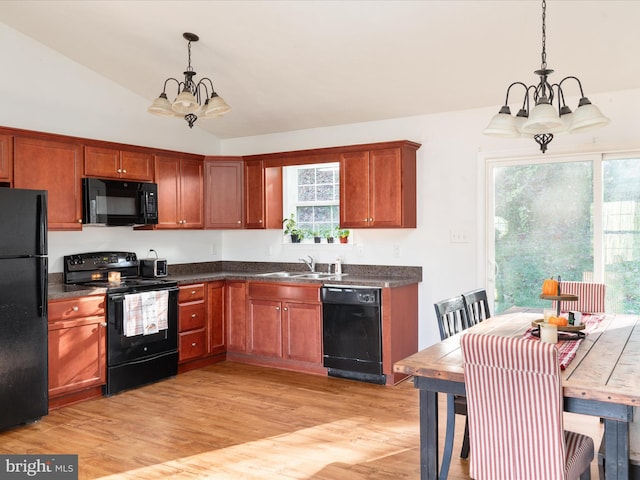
<point x="311" y="263"/>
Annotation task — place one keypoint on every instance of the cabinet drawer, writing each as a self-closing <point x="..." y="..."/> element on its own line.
<point x="76" y="307"/>
<point x="192" y="316"/>
<point x="296" y="293"/>
<point x="192" y="345"/>
<point x="191" y="293"/>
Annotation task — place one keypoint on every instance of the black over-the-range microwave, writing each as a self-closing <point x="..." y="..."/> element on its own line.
<point x="117" y="202"/>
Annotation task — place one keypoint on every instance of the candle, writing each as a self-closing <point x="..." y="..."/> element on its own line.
<point x="548" y="333"/>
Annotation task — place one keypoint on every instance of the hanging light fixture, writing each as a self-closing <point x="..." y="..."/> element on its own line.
<point x="545" y="118"/>
<point x="189" y="100"/>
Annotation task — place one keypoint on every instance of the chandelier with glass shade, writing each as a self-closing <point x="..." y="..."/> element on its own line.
<point x="192" y="100"/>
<point x="549" y="114"/>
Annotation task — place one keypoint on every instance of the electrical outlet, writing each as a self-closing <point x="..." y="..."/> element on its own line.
<point x="396" y="251"/>
<point x="458" y="236"/>
<point x="360" y="250"/>
<point x="214" y="249"/>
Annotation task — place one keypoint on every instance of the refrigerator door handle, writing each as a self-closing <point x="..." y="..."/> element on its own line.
<point x="42" y="224"/>
<point x="43" y="305"/>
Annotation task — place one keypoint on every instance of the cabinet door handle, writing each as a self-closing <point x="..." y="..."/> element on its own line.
<point x="193" y="292"/>
<point x="119" y="170"/>
<point x="194" y="344"/>
<point x="103" y="324"/>
<point x="371" y="219"/>
<point x="75" y="308"/>
<point x="277" y="308"/>
<point x="285" y="309"/>
<point x="193" y="315"/>
<point x="124" y="170"/>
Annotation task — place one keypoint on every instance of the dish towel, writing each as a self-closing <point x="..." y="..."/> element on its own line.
<point x="145" y="313"/>
<point x="567" y="349"/>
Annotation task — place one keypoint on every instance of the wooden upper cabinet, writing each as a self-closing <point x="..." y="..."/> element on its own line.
<point x="354" y="190"/>
<point x="262" y="195"/>
<point x="254" y="194"/>
<point x="192" y="193"/>
<point x="119" y="164"/>
<point x="55" y="166"/>
<point x="6" y="158"/>
<point x="180" y="192"/>
<point x="224" y="194"/>
<point x="378" y="187"/>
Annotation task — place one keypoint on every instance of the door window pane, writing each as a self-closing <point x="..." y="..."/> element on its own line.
<point x="621" y="231"/>
<point x="543" y="227"/>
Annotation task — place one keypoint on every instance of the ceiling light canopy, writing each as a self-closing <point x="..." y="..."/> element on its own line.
<point x="192" y="100"/>
<point x="550" y="114"/>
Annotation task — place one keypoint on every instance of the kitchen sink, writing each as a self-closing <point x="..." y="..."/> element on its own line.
<point x="309" y="275"/>
<point x="281" y="274"/>
<point x="321" y="276"/>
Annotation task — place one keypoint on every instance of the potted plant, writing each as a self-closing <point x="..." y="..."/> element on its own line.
<point x="315" y="233"/>
<point x="343" y="234"/>
<point x="291" y="229"/>
<point x="329" y="234"/>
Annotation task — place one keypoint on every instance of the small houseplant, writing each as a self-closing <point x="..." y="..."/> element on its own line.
<point x="343" y="234"/>
<point x="291" y="229"/>
<point x="329" y="233"/>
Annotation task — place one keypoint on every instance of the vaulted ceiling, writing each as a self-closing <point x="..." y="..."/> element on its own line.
<point x="290" y="65"/>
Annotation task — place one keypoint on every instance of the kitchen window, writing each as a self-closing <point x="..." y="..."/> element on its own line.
<point x="312" y="194"/>
<point x="578" y="217"/>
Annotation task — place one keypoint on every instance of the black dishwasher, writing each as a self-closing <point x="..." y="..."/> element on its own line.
<point x="352" y="333"/>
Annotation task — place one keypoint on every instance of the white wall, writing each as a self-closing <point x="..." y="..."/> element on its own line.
<point x="450" y="172"/>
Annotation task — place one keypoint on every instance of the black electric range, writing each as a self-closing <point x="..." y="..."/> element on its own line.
<point x="142" y="317"/>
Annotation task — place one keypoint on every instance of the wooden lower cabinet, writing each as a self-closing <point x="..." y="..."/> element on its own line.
<point x="200" y="325"/>
<point x="302" y="332"/>
<point x="284" y="326"/>
<point x="77" y="349"/>
<point x="235" y="316"/>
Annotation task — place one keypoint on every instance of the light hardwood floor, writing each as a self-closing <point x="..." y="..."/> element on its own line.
<point x="233" y="421"/>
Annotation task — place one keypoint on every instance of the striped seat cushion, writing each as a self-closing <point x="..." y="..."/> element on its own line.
<point x="591" y="296"/>
<point x="514" y="403"/>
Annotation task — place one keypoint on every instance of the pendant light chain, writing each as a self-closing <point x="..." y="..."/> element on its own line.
<point x="544" y="35"/>
<point x="189" y="67"/>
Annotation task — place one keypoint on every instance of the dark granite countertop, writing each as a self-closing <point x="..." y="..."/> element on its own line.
<point x="356" y="275"/>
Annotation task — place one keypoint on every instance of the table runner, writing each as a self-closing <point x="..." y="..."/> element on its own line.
<point x="567" y="349"/>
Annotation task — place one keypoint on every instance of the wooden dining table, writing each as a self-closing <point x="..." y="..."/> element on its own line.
<point x="602" y="380"/>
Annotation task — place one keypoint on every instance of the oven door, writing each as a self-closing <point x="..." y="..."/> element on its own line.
<point x="123" y="347"/>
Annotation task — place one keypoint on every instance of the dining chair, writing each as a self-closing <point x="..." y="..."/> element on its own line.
<point x="477" y="306"/>
<point x="591" y="296"/>
<point x="453" y="318"/>
<point x="515" y="408"/>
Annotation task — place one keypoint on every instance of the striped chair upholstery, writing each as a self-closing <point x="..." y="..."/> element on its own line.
<point x="514" y="403"/>
<point x="591" y="296"/>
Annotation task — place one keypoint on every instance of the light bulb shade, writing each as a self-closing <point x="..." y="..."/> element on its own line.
<point x="161" y="107"/>
<point x="543" y="119"/>
<point x="587" y="117"/>
<point x="502" y="125"/>
<point x="185" y="103"/>
<point x="215" y="107"/>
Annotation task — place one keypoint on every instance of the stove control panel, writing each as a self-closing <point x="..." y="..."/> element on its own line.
<point x="84" y="267"/>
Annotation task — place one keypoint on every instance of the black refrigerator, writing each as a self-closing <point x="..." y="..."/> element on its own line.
<point x="23" y="307"/>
